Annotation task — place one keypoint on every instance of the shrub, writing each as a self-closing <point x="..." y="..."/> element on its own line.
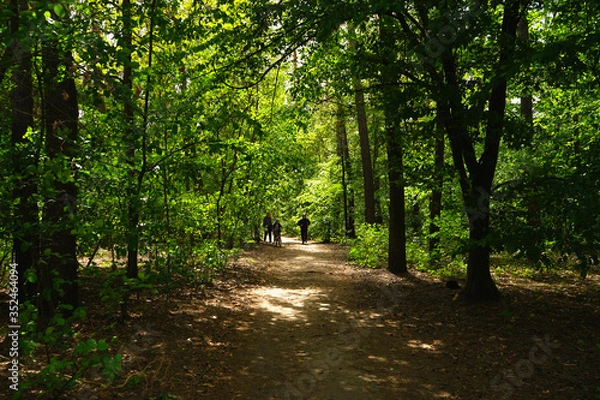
<point x="67" y="356"/>
<point x="370" y="248"/>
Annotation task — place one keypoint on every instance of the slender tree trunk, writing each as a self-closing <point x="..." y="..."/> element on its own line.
<point x="61" y="113"/>
<point x="365" y="152"/>
<point x="376" y="180"/>
<point x="526" y="98"/>
<point x="135" y="137"/>
<point x="435" y="202"/>
<point x="131" y="140"/>
<point x="348" y="193"/>
<point x="526" y="108"/>
<point x="25" y="236"/>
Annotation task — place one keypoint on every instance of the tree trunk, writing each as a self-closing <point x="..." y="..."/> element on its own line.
<point x="526" y="108"/>
<point x="376" y="179"/>
<point x="526" y="99"/>
<point x="476" y="175"/>
<point x="25" y="235"/>
<point x="397" y="229"/>
<point x="344" y="154"/>
<point x="480" y="285"/>
<point x="132" y="191"/>
<point x="61" y="115"/>
<point x="365" y="152"/>
<point x="391" y="109"/>
<point x="435" y="202"/>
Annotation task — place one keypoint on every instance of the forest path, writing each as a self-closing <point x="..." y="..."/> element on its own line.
<point x="297" y="322"/>
<point x="309" y="328"/>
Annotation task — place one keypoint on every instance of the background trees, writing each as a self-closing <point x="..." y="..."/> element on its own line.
<point x="188" y="114"/>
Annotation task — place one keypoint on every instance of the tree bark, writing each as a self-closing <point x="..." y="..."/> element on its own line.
<point x="476" y="175"/>
<point x="526" y="109"/>
<point x="348" y="193"/>
<point x="526" y="99"/>
<point x="397" y="230"/>
<point x="61" y="113"/>
<point x="435" y="202"/>
<point x="25" y="234"/>
<point x="365" y="152"/>
<point x="132" y="191"/>
<point x="397" y="263"/>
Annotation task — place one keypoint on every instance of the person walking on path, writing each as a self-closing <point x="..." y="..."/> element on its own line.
<point x="268" y="226"/>
<point x="277" y="232"/>
<point x="303" y="223"/>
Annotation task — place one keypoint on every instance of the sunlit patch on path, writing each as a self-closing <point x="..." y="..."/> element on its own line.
<point x="287" y="304"/>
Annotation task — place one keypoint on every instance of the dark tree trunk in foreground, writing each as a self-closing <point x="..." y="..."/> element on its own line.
<point x="397" y="235"/>
<point x="476" y="175"/>
<point x="391" y="108"/>
<point x="25" y="234"/>
<point x="61" y="115"/>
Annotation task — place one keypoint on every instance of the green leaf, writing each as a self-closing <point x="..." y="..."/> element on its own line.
<point x="102" y="345"/>
<point x="59" y="10"/>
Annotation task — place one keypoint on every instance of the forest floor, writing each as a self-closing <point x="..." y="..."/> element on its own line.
<point x="298" y="322"/>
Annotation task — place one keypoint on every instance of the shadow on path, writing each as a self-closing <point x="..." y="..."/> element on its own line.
<point x="296" y="322"/>
<point x="313" y="329"/>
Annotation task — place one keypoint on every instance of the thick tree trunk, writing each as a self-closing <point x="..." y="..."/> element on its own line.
<point x="25" y="235"/>
<point x="365" y="152"/>
<point x="391" y="106"/>
<point x="476" y="175"/>
<point x="480" y="285"/>
<point x="61" y="115"/>
<point x="397" y="230"/>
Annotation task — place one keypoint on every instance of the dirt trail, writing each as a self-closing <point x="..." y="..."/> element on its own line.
<point x="297" y="322"/>
<point x="305" y="332"/>
<point x="308" y="330"/>
<point x="308" y="326"/>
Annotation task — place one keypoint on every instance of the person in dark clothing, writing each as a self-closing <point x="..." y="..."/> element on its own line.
<point x="303" y="223"/>
<point x="277" y="232"/>
<point x="268" y="226"/>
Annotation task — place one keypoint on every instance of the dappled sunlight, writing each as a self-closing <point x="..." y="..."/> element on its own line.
<point x="418" y="344"/>
<point x="286" y="304"/>
<point x="380" y="359"/>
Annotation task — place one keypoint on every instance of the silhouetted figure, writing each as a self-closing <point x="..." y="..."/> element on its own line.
<point x="303" y="224"/>
<point x="268" y="226"/>
<point x="277" y="232"/>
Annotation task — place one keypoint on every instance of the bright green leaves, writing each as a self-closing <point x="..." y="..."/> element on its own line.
<point x="59" y="10"/>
